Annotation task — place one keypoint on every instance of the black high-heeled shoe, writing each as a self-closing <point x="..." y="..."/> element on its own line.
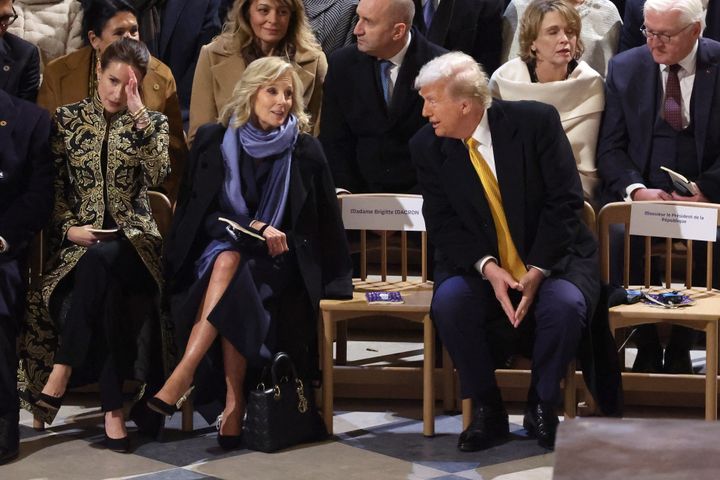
<point x="227" y="442"/>
<point x="49" y="402"/>
<point x="167" y="409"/>
<point x="149" y="422"/>
<point x="119" y="445"/>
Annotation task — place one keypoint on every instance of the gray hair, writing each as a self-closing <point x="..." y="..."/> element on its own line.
<point x="691" y="11"/>
<point x="466" y="78"/>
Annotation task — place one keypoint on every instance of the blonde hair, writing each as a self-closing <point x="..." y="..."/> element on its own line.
<point x="466" y="78"/>
<point x="259" y="73"/>
<point x="533" y="17"/>
<point x="241" y="39"/>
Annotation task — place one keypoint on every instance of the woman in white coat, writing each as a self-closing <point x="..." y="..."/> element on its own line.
<point x="548" y="71"/>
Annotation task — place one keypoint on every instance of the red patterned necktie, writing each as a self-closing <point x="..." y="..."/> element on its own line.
<point x="672" y="108"/>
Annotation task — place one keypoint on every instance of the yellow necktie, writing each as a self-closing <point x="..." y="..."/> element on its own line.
<point x="509" y="257"/>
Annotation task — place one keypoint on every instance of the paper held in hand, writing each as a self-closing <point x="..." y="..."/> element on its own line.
<point x="681" y="184"/>
<point x="103" y="230"/>
<point x="239" y="228"/>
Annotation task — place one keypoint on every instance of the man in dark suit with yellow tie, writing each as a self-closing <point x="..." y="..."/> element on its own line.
<point x="502" y="203"/>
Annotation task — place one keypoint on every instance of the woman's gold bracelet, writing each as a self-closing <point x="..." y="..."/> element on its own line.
<point x="135" y="116"/>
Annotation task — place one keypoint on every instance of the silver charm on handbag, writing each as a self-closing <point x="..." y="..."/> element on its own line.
<point x="302" y="403"/>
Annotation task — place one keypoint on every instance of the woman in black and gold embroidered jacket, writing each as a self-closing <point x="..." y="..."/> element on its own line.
<point x="104" y="246"/>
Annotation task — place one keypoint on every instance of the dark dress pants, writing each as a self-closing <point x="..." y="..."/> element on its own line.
<point x="12" y="296"/>
<point x="464" y="305"/>
<point x="107" y="267"/>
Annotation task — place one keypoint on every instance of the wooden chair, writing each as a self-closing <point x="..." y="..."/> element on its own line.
<point x="703" y="316"/>
<point x="416" y="292"/>
<point x="523" y="376"/>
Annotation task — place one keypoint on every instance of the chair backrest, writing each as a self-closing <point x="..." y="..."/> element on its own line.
<point x="384" y="213"/>
<point x="620" y="213"/>
<point x="162" y="211"/>
<point x="588" y="217"/>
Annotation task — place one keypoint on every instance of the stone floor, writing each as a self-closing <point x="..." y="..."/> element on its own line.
<point x="373" y="440"/>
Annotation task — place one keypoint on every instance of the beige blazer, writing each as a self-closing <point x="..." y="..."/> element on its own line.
<point x="218" y="71"/>
<point x="67" y="80"/>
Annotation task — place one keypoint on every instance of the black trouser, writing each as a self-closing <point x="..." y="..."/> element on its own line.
<point x="106" y="267"/>
<point x="12" y="296"/>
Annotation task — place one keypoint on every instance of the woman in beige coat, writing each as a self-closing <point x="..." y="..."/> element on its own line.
<point x="255" y="29"/>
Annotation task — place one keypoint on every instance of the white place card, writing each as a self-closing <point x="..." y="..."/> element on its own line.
<point x="673" y="221"/>
<point x="383" y="213"/>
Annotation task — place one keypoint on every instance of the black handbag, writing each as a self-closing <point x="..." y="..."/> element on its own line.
<point x="284" y="414"/>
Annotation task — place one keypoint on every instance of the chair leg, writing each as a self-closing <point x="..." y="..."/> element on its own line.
<point x="570" y="392"/>
<point x="327" y="372"/>
<point x="711" y="366"/>
<point x="466" y="412"/>
<point x="448" y="381"/>
<point x="341" y="343"/>
<point x="429" y="378"/>
<point x="38" y="424"/>
<point x="186" y="412"/>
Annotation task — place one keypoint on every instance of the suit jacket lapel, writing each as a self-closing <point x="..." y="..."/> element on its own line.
<point x="510" y="173"/>
<point x="440" y="24"/>
<point x="404" y="92"/>
<point x="461" y="178"/>
<point x="644" y="119"/>
<point x="7" y="63"/>
<point x="703" y="90"/>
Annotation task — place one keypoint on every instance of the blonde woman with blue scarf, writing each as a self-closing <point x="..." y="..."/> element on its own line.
<point x="234" y="299"/>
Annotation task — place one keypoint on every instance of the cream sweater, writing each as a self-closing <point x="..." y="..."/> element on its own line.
<point x="580" y="100"/>
<point x="53" y="25"/>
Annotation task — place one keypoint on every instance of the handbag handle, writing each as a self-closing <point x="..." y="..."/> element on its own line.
<point x="281" y="357"/>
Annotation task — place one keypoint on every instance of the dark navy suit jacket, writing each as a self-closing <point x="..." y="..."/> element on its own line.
<point x="365" y="141"/>
<point x="26" y="172"/>
<point x="19" y="67"/>
<point x="625" y="143"/>
<point x="187" y="25"/>
<point x="470" y="26"/>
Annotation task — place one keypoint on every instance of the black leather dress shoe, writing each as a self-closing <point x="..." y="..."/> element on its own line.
<point x="541" y="422"/>
<point x="648" y="360"/>
<point x="489" y="427"/>
<point x="9" y="438"/>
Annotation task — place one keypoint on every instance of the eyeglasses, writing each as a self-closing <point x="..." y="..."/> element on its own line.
<point x="663" y="37"/>
<point x="8" y="20"/>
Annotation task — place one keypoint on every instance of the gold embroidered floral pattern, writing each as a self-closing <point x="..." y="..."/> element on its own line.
<point x="136" y="160"/>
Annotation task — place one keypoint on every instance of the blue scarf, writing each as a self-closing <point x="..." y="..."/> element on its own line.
<point x="273" y="199"/>
<point x="259" y="144"/>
